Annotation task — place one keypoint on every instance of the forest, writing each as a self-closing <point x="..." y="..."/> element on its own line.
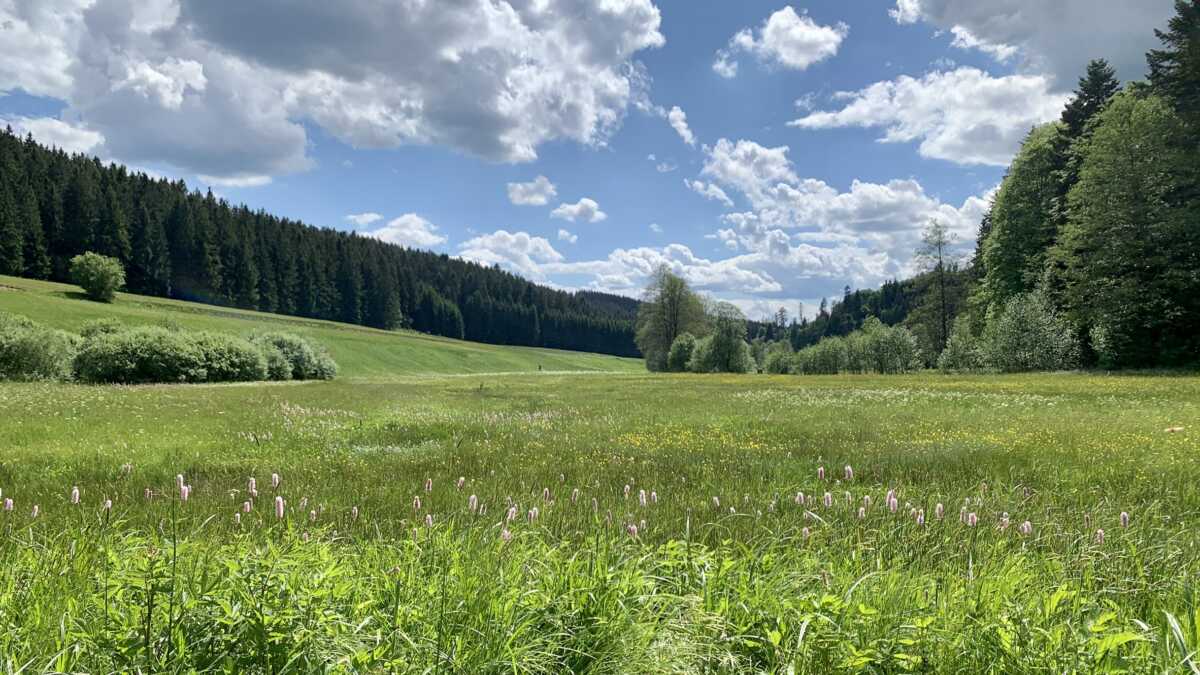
<point x="188" y="245"/>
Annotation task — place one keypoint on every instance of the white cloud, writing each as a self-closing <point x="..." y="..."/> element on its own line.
<point x="586" y="210"/>
<point x="786" y="39"/>
<point x="665" y="167"/>
<point x="408" y="230"/>
<point x="518" y="251"/>
<point x="656" y="228"/>
<point x="237" y="180"/>
<point x="678" y="120"/>
<point x="1055" y="39"/>
<point x="965" y="116"/>
<point x="57" y="133"/>
<point x="964" y="39"/>
<point x="564" y="235"/>
<point x="363" y="219"/>
<point x="537" y="192"/>
<point x="492" y="79"/>
<point x="709" y="191"/>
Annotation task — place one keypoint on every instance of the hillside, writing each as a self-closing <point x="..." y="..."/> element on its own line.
<point x="362" y="353"/>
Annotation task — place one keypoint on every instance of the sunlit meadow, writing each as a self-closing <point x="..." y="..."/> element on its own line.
<point x="603" y="523"/>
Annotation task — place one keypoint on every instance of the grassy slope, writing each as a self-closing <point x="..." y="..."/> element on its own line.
<point x="362" y="353"/>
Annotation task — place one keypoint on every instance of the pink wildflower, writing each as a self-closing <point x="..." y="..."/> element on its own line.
<point x="275" y="480"/>
<point x="417" y="503"/>
<point x="1124" y="519"/>
<point x="821" y="473"/>
<point x="1026" y="528"/>
<point x="75" y="495"/>
<point x="505" y="535"/>
<point x="849" y="473"/>
<point x="279" y="507"/>
<point x="1100" y="536"/>
<point x="429" y="485"/>
<point x="473" y="503"/>
<point x="428" y="520"/>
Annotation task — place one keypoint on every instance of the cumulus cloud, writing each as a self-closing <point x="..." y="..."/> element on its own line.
<point x="363" y="219"/>
<point x="236" y="180"/>
<point x="408" y="230"/>
<point x="709" y="191"/>
<point x="678" y="120"/>
<point x="965" y="116"/>
<point x="1053" y="38"/>
<point x="537" y="192"/>
<point x="786" y="39"/>
<point x="518" y="251"/>
<point x="54" y="132"/>
<point x="586" y="210"/>
<point x="564" y="235"/>
<point x="224" y="88"/>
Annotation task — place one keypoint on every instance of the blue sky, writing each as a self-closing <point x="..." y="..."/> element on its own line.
<point x="579" y="142"/>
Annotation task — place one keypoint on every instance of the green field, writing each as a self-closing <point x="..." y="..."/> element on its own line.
<point x="726" y="572"/>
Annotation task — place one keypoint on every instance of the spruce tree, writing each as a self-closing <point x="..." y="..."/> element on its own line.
<point x="1175" y="69"/>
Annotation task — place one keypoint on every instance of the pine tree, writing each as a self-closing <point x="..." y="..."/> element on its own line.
<point x="12" y="253"/>
<point x="112" y="230"/>
<point x="1175" y="69"/>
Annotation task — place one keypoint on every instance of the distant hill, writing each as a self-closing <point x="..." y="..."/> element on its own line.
<point x="181" y="244"/>
<point x="362" y="353"/>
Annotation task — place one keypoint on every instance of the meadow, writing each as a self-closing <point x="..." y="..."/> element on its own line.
<point x="600" y="522"/>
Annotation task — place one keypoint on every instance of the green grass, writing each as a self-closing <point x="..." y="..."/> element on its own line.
<point x="162" y="585"/>
<point x="361" y="353"/>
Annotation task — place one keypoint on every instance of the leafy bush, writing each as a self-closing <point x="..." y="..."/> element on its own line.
<point x="711" y="355"/>
<point x="30" y="351"/>
<point x="231" y="359"/>
<point x="779" y="358"/>
<point x="681" y="353"/>
<point x="308" y="361"/>
<point x="98" y="275"/>
<point x="278" y="366"/>
<point x="141" y="355"/>
<point x="1026" y="334"/>
<point x="876" y="348"/>
<point x="962" y="352"/>
<point x="96" y="327"/>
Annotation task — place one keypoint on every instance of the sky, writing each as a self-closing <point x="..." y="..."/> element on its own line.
<point x="772" y="153"/>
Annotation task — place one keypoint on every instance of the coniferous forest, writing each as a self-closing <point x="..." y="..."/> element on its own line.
<point x="183" y="244"/>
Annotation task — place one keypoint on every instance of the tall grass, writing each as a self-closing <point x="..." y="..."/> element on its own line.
<point x="727" y="572"/>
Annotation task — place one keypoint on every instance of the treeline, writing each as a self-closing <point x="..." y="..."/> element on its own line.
<point x="1090" y="252"/>
<point x="192" y="246"/>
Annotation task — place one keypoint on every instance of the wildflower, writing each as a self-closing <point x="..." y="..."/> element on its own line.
<point x="511" y="515"/>
<point x="179" y="481"/>
<point x="107" y="505"/>
<point x="533" y="514"/>
<point x="237" y="518"/>
<point x="849" y="498"/>
<point x="75" y="495"/>
<point x="461" y="481"/>
<point x="505" y="535"/>
<point x="1124" y="519"/>
<point x="867" y="501"/>
<point x="304" y="537"/>
<point x="653" y="497"/>
<point x="562" y="477"/>
<point x="939" y="511"/>
<point x="1026" y="528"/>
<point x="799" y="499"/>
<point x="428" y="520"/>
<point x="716" y="502"/>
<point x="473" y="503"/>
<point x="595" y="505"/>
<point x="429" y="485"/>
<point x="962" y="515"/>
<point x="246" y="506"/>
<point x="312" y="516"/>
<point x="1100" y="536"/>
<point x="828" y="500"/>
<point x="149" y="494"/>
<point x="732" y="510"/>
<point x="35" y="511"/>
<point x="545" y="494"/>
<point x="8" y="504"/>
<point x="252" y="488"/>
<point x="642" y="498"/>
<point x="632" y="530"/>
<point x="185" y="492"/>
<point x="921" y="517"/>
<point x="849" y="473"/>
<point x="1004" y="521"/>
<point x="627" y="489"/>
<point x="279" y="507"/>
<point x="643" y="524"/>
<point x="893" y="504"/>
<point x="126" y="469"/>
<point x="416" y="503"/>
<point x="574" y="495"/>
<point x="821" y="473"/>
<point x="805" y="533"/>
<point x="275" y="480"/>
<point x="862" y="512"/>
<point x="972" y="519"/>
<point x="353" y="513"/>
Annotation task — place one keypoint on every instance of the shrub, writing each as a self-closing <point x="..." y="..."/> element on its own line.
<point x="779" y="358"/>
<point x="98" y="275"/>
<point x="141" y="355"/>
<point x="1026" y="334"/>
<point x="681" y="353"/>
<point x="231" y="359"/>
<point x="30" y="351"/>
<point x="96" y="327"/>
<point x="308" y="361"/>
<point x="876" y="348"/>
<point x="962" y="353"/>
<point x="712" y="355"/>
<point x="278" y="366"/>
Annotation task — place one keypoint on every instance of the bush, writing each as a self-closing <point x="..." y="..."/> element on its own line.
<point x="876" y="348"/>
<point x="681" y="353"/>
<point x="962" y="353"/>
<point x="231" y="359"/>
<point x="141" y="355"/>
<point x="30" y="351"/>
<point x="308" y="362"/>
<point x="1026" y="334"/>
<point x="711" y="355"/>
<point x="779" y="358"/>
<point x="278" y="366"/>
<point x="98" y="275"/>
